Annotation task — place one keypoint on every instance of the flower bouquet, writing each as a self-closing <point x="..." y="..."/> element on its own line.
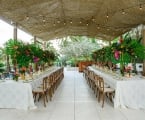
<point x="15" y="76"/>
<point x="128" y="70"/>
<point x="22" y="71"/>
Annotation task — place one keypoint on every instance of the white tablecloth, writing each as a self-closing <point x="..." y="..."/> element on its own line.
<point x="19" y="94"/>
<point x="16" y="95"/>
<point x="129" y="92"/>
<point x="39" y="77"/>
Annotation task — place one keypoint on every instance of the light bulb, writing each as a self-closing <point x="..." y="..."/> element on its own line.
<point x="123" y="12"/>
<point x="58" y="21"/>
<point x="140" y="7"/>
<point x="98" y="27"/>
<point x="43" y="20"/>
<point x="93" y="19"/>
<point x="107" y="16"/>
<point x="27" y="17"/>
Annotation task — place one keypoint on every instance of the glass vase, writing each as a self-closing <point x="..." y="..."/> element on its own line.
<point x="22" y="76"/>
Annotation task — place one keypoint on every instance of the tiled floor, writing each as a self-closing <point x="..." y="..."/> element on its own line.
<point x="73" y="100"/>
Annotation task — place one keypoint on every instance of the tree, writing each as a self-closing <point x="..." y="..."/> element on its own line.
<point x="78" y="48"/>
<point x="2" y="59"/>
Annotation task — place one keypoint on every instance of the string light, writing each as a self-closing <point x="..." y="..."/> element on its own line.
<point x="123" y="12"/>
<point x="27" y="17"/>
<point x="64" y="23"/>
<point x="93" y="19"/>
<point x="98" y="27"/>
<point x="140" y="7"/>
<point x="58" y="21"/>
<point x="44" y="19"/>
<point x="70" y="22"/>
<point x="54" y="24"/>
<point x="107" y="16"/>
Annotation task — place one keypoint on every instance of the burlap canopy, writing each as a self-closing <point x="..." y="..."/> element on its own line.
<point x="48" y="19"/>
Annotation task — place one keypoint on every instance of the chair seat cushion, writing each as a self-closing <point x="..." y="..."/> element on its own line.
<point x="109" y="90"/>
<point x="38" y="89"/>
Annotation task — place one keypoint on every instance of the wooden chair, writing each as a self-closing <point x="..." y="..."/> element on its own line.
<point x="49" y="87"/>
<point x="84" y="70"/>
<point x="92" y="80"/>
<point x="51" y="83"/>
<point x="103" y="91"/>
<point x="96" y="79"/>
<point x="87" y="75"/>
<point x="41" y="91"/>
<point x="90" y="75"/>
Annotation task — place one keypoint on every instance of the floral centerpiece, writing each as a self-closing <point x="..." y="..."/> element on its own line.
<point x="16" y="76"/>
<point x="128" y="70"/>
<point x="125" y="51"/>
<point x="22" y="71"/>
<point x="23" y="55"/>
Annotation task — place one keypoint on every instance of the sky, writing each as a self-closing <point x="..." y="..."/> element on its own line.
<point x="6" y="33"/>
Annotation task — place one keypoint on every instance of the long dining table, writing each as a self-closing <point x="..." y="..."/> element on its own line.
<point x="19" y="94"/>
<point x="129" y="91"/>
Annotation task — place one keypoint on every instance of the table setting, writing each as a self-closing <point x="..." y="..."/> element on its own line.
<point x="18" y="93"/>
<point x="129" y="91"/>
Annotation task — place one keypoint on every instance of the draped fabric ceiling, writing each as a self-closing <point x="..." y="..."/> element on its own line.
<point x="48" y="19"/>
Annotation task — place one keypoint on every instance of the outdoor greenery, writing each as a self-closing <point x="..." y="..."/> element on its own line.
<point x="23" y="54"/>
<point x="126" y="50"/>
<point x="77" y="48"/>
<point x="2" y="57"/>
<point x="1" y="67"/>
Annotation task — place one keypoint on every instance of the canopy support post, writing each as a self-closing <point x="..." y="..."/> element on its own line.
<point x="15" y="31"/>
<point x="143" y="42"/>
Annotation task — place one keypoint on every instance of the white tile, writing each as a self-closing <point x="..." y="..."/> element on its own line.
<point x="132" y="114"/>
<point x="38" y="116"/>
<point x="86" y="111"/>
<point x="63" y="111"/>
